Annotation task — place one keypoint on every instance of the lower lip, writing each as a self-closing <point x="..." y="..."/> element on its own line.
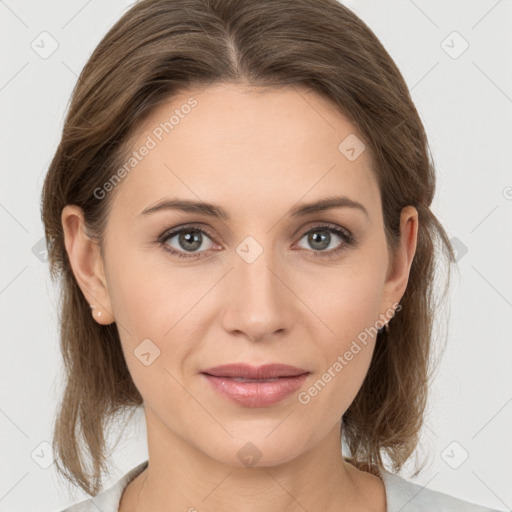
<point x="256" y="394"/>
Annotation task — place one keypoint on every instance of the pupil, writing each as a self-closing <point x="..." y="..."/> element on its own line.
<point x="188" y="238"/>
<point x="318" y="242"/>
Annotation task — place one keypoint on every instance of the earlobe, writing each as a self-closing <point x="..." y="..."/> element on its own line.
<point x="86" y="264"/>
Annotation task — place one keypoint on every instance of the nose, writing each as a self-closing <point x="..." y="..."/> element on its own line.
<point x="258" y="302"/>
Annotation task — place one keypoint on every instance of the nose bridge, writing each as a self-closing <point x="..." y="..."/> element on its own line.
<point x="258" y="284"/>
<point x="258" y="305"/>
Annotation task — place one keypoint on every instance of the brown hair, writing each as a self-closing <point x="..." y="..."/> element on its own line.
<point x="162" y="47"/>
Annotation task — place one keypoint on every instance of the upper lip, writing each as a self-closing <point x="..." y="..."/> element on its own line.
<point x="244" y="370"/>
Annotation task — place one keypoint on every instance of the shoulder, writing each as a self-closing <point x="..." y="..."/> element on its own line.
<point x="405" y="496"/>
<point x="108" y="499"/>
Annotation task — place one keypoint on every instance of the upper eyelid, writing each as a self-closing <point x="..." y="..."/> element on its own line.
<point x="168" y="233"/>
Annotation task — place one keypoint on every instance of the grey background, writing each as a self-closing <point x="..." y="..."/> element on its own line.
<point x="465" y="101"/>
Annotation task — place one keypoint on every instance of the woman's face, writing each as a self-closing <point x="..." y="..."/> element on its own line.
<point x="259" y="285"/>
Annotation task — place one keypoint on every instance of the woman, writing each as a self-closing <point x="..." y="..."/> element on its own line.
<point x="239" y="209"/>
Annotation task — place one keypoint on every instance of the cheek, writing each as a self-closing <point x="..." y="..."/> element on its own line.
<point x="346" y="354"/>
<point x="147" y="294"/>
<point x="152" y="300"/>
<point x="348" y="300"/>
<point x="150" y="307"/>
<point x="349" y="306"/>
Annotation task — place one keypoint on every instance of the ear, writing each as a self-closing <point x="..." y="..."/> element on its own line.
<point x="86" y="263"/>
<point x="400" y="267"/>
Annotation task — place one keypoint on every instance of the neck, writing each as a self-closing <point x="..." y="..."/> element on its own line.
<point x="181" y="477"/>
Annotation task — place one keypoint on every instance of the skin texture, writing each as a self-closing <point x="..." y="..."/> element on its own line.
<point x="256" y="153"/>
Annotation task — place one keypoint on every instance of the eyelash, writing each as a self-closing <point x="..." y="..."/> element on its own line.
<point x="347" y="238"/>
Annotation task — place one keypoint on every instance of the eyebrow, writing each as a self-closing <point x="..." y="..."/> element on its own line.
<point x="212" y="210"/>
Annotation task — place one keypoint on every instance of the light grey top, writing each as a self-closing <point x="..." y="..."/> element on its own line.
<point x="401" y="496"/>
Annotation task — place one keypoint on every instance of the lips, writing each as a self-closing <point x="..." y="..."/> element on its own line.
<point x="255" y="386"/>
<point x="248" y="373"/>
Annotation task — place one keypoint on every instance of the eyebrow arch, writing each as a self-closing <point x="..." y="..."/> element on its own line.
<point x="187" y="206"/>
<point x="326" y="204"/>
<point x="212" y="210"/>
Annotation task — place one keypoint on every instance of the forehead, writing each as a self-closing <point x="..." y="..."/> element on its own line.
<point x="227" y="142"/>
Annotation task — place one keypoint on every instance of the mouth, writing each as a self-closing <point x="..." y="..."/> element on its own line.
<point x="251" y="386"/>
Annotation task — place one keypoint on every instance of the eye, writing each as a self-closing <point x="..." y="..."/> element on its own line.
<point x="320" y="238"/>
<point x="188" y="239"/>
